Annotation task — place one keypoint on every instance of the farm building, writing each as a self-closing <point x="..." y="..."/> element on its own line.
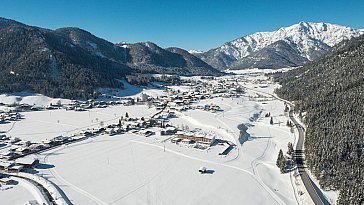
<point x="27" y="162"/>
<point x="199" y="137"/>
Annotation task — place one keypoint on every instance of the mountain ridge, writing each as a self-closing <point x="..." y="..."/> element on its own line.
<point x="71" y="62"/>
<point x="311" y="40"/>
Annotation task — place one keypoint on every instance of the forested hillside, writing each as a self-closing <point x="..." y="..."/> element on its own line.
<point x="71" y="62"/>
<point x="147" y="57"/>
<point x="331" y="91"/>
<point x="48" y="62"/>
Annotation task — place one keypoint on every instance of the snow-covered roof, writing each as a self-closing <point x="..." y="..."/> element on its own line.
<point x="25" y="160"/>
<point x="6" y="163"/>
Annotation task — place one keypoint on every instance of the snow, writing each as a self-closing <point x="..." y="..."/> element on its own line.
<point x="21" y="193"/>
<point x="142" y="173"/>
<point x="92" y="44"/>
<point x="195" y="51"/>
<point x="30" y="98"/>
<point x="42" y="125"/>
<point x="128" y="91"/>
<point x="131" y="169"/>
<point x="304" y="35"/>
<point x="98" y="53"/>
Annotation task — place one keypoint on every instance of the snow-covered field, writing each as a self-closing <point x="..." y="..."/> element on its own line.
<point x="20" y="193"/>
<point x="41" y="125"/>
<point x="131" y="169"/>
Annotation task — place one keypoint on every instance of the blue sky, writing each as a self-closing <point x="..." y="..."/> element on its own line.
<point x="189" y="24"/>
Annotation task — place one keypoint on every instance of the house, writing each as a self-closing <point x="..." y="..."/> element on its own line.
<point x="199" y="137"/>
<point x="23" y="150"/>
<point x="36" y="146"/>
<point x="4" y="137"/>
<point x="146" y="133"/>
<point x="47" y="143"/>
<point x="171" y="115"/>
<point x="9" y="155"/>
<point x="143" y="97"/>
<point x="32" y="202"/>
<point x="6" y="181"/>
<point x="27" y="162"/>
<point x="14" y="168"/>
<point x="115" y="131"/>
<point x="168" y="131"/>
<point x="4" y="165"/>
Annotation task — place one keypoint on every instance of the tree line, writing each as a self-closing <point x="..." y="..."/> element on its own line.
<point x="329" y="95"/>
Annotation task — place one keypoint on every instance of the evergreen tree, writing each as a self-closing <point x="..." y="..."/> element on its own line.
<point x="286" y="109"/>
<point x="119" y="124"/>
<point x="332" y="101"/>
<point x="290" y="148"/>
<point x="281" y="162"/>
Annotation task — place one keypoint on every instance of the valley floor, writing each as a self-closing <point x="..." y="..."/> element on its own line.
<point x="131" y="169"/>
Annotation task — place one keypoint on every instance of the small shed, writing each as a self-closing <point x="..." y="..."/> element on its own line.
<point x="146" y="133"/>
<point x="202" y="170"/>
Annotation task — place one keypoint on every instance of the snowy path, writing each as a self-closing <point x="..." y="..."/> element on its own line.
<point x="56" y="175"/>
<point x="37" y="194"/>
<point x="254" y="163"/>
<point x="264" y="186"/>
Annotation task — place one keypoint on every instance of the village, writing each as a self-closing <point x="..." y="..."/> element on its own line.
<point x="14" y="150"/>
<point x="168" y="121"/>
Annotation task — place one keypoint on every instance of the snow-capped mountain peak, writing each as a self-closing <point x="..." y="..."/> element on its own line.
<point x="309" y="39"/>
<point x="304" y="34"/>
<point x="195" y="51"/>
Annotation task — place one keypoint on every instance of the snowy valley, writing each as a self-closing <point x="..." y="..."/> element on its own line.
<point x="130" y="152"/>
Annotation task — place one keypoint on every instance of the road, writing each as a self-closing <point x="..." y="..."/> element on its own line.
<point x="315" y="194"/>
<point x="313" y="190"/>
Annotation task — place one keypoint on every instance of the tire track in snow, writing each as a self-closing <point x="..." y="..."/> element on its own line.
<point x="57" y="176"/>
<point x="254" y="163"/>
<point x="260" y="182"/>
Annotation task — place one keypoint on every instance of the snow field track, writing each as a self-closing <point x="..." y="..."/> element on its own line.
<point x="267" y="189"/>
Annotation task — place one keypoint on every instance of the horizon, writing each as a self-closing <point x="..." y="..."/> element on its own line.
<point x="194" y="25"/>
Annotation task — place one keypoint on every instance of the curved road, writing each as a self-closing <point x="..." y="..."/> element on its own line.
<point x="316" y="195"/>
<point x="314" y="192"/>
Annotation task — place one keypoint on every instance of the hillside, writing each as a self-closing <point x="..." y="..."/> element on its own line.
<point x="331" y="91"/>
<point x="71" y="62"/>
<point x="148" y="57"/>
<point x="305" y="42"/>
<point x="45" y="61"/>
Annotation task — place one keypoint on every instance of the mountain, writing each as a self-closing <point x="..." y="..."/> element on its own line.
<point x="276" y="55"/>
<point x="330" y="92"/>
<point x="48" y="62"/>
<point x="92" y="44"/>
<point x="71" y="62"/>
<point x="288" y="46"/>
<point x="195" y="51"/>
<point x="150" y="58"/>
